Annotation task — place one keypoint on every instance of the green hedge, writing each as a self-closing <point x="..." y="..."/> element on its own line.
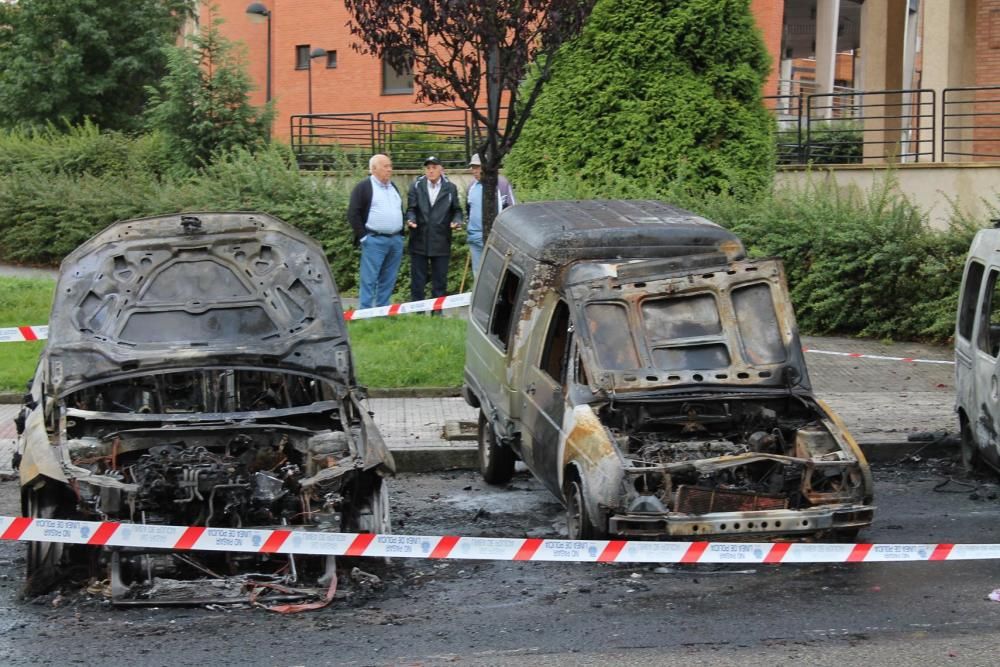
<point x="47" y="210"/>
<point x="864" y="263"/>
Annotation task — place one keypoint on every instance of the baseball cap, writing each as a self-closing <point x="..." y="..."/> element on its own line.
<point x="474" y="161"/>
<point x="431" y="160"/>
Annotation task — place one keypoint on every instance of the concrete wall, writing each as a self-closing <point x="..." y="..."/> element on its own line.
<point x="934" y="187"/>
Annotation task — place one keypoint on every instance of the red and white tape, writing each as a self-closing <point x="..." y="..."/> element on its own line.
<point x="880" y="357"/>
<point x="26" y="333"/>
<point x="427" y="305"/>
<point x="180" y="538"/>
<point x="21" y="334"/>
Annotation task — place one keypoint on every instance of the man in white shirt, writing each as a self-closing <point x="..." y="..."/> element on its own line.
<point x="375" y="212"/>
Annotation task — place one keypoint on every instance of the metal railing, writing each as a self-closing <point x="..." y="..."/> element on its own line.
<point x="843" y="127"/>
<point x="848" y="127"/>
<point x="970" y="123"/>
<point x="333" y="140"/>
<point x="322" y="141"/>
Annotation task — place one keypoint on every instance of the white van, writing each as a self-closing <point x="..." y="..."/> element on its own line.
<point x="977" y="348"/>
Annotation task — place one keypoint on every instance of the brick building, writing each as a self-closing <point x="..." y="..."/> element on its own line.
<point x="871" y="45"/>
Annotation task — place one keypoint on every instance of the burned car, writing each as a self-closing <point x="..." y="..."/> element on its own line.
<point x="651" y="376"/>
<point x="977" y="353"/>
<point x="197" y="373"/>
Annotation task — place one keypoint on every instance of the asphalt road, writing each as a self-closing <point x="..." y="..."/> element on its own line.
<point x="500" y="613"/>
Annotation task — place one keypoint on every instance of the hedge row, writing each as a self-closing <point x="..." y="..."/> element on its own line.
<point x="860" y="264"/>
<point x="46" y="210"/>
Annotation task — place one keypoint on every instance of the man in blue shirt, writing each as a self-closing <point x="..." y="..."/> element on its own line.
<point x="474" y="201"/>
<point x="375" y="212"/>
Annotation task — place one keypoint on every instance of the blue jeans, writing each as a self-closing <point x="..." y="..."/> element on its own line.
<point x="380" y="258"/>
<point x="477" y="254"/>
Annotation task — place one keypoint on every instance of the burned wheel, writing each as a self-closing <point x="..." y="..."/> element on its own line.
<point x="45" y="559"/>
<point x="496" y="462"/>
<point x="374" y="515"/>
<point x="968" y="447"/>
<point x="578" y="523"/>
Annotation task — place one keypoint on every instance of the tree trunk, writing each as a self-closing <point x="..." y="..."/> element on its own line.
<point x="491" y="204"/>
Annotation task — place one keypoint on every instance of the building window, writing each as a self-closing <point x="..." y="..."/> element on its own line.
<point x="302" y="56"/>
<point x="331" y="59"/>
<point x="396" y="82"/>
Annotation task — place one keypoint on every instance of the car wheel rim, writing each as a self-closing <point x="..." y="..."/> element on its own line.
<point x="574" y="512"/>
<point x="967" y="446"/>
<point x="484" y="447"/>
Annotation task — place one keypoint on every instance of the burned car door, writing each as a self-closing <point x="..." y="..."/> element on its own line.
<point x="544" y="396"/>
<point x="986" y="374"/>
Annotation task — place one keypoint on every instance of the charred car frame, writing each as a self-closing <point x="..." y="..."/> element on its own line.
<point x="197" y="372"/>
<point x="651" y="376"/>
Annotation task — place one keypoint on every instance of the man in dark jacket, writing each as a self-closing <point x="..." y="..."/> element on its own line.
<point x="375" y="212"/>
<point x="432" y="212"/>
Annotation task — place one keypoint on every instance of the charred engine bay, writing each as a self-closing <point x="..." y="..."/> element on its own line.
<point x="229" y="448"/>
<point x="712" y="454"/>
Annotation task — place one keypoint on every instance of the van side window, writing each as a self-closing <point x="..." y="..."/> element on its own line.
<point x="989" y="322"/>
<point x="970" y="297"/>
<point x="557" y="339"/>
<point x="503" y="310"/>
<point x="486" y="284"/>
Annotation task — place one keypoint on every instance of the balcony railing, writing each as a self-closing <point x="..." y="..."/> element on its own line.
<point x="907" y="126"/>
<point x="409" y="137"/>
<point x="843" y="127"/>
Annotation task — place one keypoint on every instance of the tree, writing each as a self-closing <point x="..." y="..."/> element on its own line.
<point x="472" y="53"/>
<point x="661" y="91"/>
<point x="67" y="60"/>
<point x="203" y="103"/>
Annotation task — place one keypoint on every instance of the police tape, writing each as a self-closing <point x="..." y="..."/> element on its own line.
<point x="427" y="305"/>
<point x="29" y="333"/>
<point x="880" y="357"/>
<point x="284" y="541"/>
<point x="26" y="333"/>
<point x="21" y="334"/>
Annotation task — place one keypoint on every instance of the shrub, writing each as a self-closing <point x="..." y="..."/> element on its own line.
<point x="46" y="212"/>
<point x="409" y="145"/>
<point x="83" y="149"/>
<point x="665" y="91"/>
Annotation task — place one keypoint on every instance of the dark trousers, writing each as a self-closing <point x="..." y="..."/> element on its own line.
<point x="438" y="267"/>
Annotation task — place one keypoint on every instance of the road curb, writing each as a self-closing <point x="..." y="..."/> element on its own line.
<point x="436" y="459"/>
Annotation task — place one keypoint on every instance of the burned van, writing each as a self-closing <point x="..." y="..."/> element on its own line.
<point x="651" y="377"/>
<point x="977" y="354"/>
<point x="197" y="373"/>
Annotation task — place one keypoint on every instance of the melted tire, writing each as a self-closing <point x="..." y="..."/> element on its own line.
<point x="496" y="462"/>
<point x="578" y="523"/>
<point x="969" y="451"/>
<point x="45" y="560"/>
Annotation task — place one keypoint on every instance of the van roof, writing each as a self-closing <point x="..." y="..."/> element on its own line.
<point x="565" y="231"/>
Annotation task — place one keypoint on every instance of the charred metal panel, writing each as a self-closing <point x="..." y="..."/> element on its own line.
<point x="235" y="287"/>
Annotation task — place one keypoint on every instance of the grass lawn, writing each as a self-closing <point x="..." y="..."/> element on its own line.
<point x="401" y="351"/>
<point x="23" y="301"/>
<point x="409" y="351"/>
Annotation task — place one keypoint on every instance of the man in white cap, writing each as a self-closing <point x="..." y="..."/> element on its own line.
<point x="433" y="211"/>
<point x="474" y="200"/>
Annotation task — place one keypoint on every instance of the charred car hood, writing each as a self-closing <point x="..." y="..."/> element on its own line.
<point x="198" y="289"/>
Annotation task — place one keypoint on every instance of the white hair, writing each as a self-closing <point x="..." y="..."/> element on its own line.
<point x="371" y="161"/>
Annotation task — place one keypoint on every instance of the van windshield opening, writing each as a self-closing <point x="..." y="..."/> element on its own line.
<point x="687" y="332"/>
